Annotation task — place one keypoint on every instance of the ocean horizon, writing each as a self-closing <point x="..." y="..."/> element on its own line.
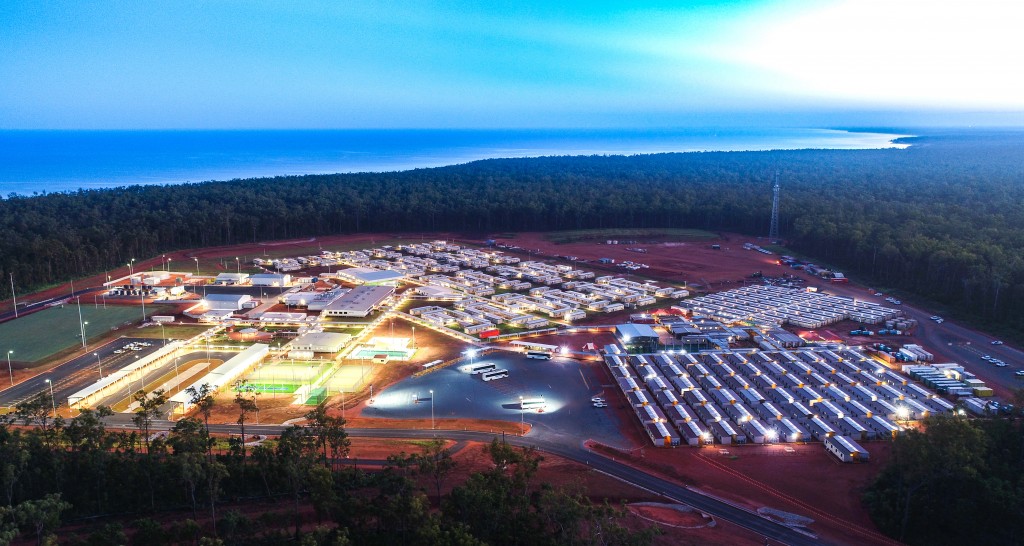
<point x="45" y="161"/>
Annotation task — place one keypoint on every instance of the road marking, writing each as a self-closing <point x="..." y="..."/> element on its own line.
<point x="584" y="379"/>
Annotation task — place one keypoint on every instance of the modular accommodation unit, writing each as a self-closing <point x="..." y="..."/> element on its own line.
<point x="800" y="411"/>
<point x="792" y="432"/>
<point x="820" y="429"/>
<point x="846" y="450"/>
<point x="752" y="397"/>
<point x="757" y="432"/>
<point x="695" y="398"/>
<point x="682" y="384"/>
<point x="724" y="432"/>
<point x="637" y="399"/>
<point x="693" y="433"/>
<point x="768" y="412"/>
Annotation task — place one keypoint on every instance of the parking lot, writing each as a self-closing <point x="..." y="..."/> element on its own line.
<point x="566" y="385"/>
<point x="79" y="372"/>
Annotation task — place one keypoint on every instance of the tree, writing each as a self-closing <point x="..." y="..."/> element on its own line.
<point x="148" y="409"/>
<point x="43" y="515"/>
<point x="202" y="399"/>
<point x="436" y="462"/>
<point x="330" y="433"/>
<point x="246" y="405"/>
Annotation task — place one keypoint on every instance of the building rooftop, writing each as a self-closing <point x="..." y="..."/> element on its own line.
<point x="361" y="299"/>
<point x="634" y="331"/>
<point x="368" y="275"/>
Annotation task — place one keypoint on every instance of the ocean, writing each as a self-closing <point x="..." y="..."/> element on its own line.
<point x="57" y="161"/>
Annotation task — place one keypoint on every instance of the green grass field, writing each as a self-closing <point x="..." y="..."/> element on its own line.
<point x="42" y="334"/>
<point x="576" y="236"/>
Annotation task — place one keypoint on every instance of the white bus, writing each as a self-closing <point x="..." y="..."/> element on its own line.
<point x="432" y="364"/>
<point x="494" y="374"/>
<point x="532" y="403"/>
<point x="540" y="355"/>
<point x="482" y="368"/>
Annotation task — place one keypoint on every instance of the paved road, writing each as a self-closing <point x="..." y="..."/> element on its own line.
<point x="717" y="508"/>
<point x="77" y="373"/>
<point x="950" y="341"/>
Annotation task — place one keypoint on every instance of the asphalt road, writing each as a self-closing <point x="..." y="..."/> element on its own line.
<point x="557" y="446"/>
<point x="77" y="373"/>
<point x="952" y="342"/>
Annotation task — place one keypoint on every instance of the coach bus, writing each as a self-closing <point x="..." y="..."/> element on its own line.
<point x="494" y="374"/>
<point x="532" y="403"/>
<point x="540" y="355"/>
<point x="482" y="368"/>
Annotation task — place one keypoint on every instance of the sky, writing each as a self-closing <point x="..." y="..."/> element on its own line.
<point x="463" y="64"/>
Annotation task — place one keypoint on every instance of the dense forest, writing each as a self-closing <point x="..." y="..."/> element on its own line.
<point x="943" y="219"/>
<point x="126" y="487"/>
<point x="961" y="482"/>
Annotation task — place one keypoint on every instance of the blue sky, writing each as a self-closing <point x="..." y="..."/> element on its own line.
<point x="305" y="64"/>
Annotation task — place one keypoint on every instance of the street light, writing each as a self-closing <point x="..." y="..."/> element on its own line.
<point x="522" y="424"/>
<point x="99" y="363"/>
<point x="431" y="409"/>
<point x="197" y="266"/>
<point x="9" y="368"/>
<point x="238" y="266"/>
<point x="53" y="401"/>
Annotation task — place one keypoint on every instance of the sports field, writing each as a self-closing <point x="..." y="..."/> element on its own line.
<point x="42" y="334"/>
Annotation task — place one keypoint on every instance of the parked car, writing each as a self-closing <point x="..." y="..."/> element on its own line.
<point x="997" y="342"/>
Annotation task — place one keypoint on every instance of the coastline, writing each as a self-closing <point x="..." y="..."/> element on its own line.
<point x="67" y="161"/>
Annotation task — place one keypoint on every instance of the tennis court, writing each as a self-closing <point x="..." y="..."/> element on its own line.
<point x="44" y="333"/>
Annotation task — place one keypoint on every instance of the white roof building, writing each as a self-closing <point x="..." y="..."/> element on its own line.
<point x="358" y="302"/>
<point x="271" y="279"/>
<point x="226" y="302"/>
<point x="232" y="278"/>
<point x="320" y="342"/>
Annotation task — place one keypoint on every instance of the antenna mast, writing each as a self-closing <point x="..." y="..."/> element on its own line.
<point x="773" y="231"/>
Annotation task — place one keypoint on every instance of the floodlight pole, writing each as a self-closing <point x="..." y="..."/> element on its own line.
<point x="99" y="363"/>
<point x="53" y="401"/>
<point x="9" y="367"/>
<point x="431" y="409"/>
<point x="15" y="296"/>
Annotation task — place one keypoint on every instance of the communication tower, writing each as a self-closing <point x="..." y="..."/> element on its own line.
<point x="773" y="231"/>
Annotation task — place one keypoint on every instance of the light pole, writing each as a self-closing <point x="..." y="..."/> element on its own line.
<point x="131" y="267"/>
<point x="238" y="266"/>
<point x="163" y="335"/>
<point x="197" y="266"/>
<point x="142" y="298"/>
<point x="9" y="367"/>
<point x="84" y="324"/>
<point x="53" y="401"/>
<point x="15" y="296"/>
<point x="168" y="265"/>
<point x="522" y="423"/>
<point x="431" y="409"/>
<point x="413" y="337"/>
<point x="99" y="363"/>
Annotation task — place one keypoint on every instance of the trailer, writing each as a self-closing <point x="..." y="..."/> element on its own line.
<point x="845" y="449"/>
<point x="768" y="412"/>
<point x="757" y="432"/>
<point x="820" y="429"/>
<point x="792" y="432"/>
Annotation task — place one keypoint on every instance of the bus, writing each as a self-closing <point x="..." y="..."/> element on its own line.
<point x="532" y="403"/>
<point x="540" y="355"/>
<point x="494" y="374"/>
<point x="482" y="368"/>
<point x="432" y="364"/>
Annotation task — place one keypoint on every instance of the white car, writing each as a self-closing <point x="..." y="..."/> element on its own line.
<point x="1019" y="372"/>
<point x="935" y="317"/>
<point x="997" y="342"/>
<point x="986" y="357"/>
<point x="1001" y="364"/>
<point x="600" y="405"/>
<point x="597" y="399"/>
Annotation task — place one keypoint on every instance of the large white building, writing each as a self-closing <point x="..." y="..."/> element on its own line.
<point x="368" y="275"/>
<point x="226" y="302"/>
<point x="358" y="302"/>
<point x="271" y="279"/>
<point x="232" y="278"/>
<point x="320" y="342"/>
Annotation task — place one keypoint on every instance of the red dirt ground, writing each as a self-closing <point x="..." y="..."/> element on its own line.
<point x="693" y="262"/>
